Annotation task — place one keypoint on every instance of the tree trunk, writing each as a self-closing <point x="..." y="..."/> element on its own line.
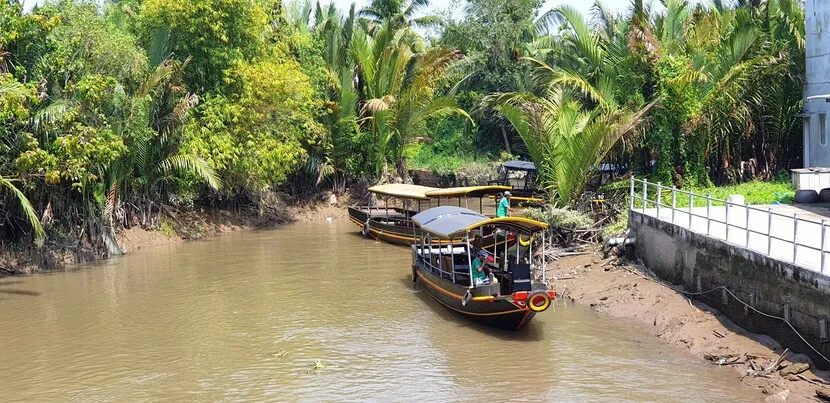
<point x="402" y="173"/>
<point x="506" y="141"/>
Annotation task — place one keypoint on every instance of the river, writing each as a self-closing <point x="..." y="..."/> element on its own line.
<point x="245" y="317"/>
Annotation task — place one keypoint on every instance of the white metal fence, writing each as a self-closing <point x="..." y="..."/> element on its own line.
<point x="783" y="236"/>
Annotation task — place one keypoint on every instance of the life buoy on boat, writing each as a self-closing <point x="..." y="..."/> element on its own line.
<point x="365" y="230"/>
<point x="525" y="243"/>
<point x="538" y="301"/>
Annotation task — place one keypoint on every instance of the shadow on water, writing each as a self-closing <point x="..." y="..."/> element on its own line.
<point x="532" y="332"/>
<point x="2" y="283"/>
<point x="20" y="292"/>
<point x="16" y="292"/>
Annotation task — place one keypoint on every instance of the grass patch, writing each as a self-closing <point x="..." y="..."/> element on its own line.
<point x="756" y="192"/>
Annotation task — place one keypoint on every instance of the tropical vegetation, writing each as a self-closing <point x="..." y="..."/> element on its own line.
<point x="111" y="112"/>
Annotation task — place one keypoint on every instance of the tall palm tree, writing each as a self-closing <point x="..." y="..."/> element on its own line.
<point x="398" y="13"/>
<point x="399" y="90"/>
<point x="153" y="140"/>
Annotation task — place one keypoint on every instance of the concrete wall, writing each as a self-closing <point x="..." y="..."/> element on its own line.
<point x="680" y="256"/>
<point x="817" y="152"/>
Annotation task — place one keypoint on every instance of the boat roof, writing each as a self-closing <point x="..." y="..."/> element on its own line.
<point x="520" y="165"/>
<point x="468" y="191"/>
<point x="402" y="190"/>
<point x="450" y="221"/>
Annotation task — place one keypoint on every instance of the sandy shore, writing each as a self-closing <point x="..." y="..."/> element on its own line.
<point x="627" y="291"/>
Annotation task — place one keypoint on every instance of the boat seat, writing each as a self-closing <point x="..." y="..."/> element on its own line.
<point x="521" y="276"/>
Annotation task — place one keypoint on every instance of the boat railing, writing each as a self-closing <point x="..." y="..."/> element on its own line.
<point x="450" y="274"/>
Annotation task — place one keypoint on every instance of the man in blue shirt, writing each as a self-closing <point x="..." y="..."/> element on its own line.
<point x="504" y="206"/>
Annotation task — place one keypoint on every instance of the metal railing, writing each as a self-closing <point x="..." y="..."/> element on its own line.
<point x="784" y="236"/>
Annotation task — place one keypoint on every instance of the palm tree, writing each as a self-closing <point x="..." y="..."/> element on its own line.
<point x="399" y="90"/>
<point x="398" y="13"/>
<point x="154" y="158"/>
<point x="565" y="139"/>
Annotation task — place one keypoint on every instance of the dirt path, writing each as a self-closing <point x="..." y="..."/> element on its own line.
<point x="622" y="290"/>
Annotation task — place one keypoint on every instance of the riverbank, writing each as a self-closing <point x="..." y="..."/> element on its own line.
<point x="624" y="290"/>
<point x="176" y="226"/>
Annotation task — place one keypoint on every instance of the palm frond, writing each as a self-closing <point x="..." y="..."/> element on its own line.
<point x="191" y="164"/>
<point x="28" y="210"/>
<point x="52" y="113"/>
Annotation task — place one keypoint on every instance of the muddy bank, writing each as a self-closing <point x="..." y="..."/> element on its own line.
<point x="629" y="291"/>
<point x="176" y="225"/>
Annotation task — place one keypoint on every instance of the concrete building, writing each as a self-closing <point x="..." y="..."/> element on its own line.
<point x="817" y="90"/>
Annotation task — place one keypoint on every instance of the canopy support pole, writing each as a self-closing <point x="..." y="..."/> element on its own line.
<point x="481" y="205"/>
<point x="469" y="258"/>
<point x="452" y="262"/>
<point x="544" y="260"/>
<point x="506" y="233"/>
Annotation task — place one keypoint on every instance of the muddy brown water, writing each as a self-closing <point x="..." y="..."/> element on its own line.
<point x="246" y="316"/>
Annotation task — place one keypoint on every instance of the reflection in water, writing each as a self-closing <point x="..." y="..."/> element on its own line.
<point x="245" y="316"/>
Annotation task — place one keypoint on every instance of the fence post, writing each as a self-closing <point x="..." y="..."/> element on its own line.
<point x="823" y="235"/>
<point x="691" y="203"/>
<point x="747" y="225"/>
<point x="708" y="214"/>
<point x="659" y="197"/>
<point x="795" y="237"/>
<point x="645" y="194"/>
<point x="727" y="221"/>
<point x="769" y="231"/>
<point x="631" y="195"/>
<point x="673" y="202"/>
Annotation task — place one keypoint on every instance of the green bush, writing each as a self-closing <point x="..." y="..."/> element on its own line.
<point x="558" y="217"/>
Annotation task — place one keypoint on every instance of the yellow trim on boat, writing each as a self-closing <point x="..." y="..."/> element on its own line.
<point x="459" y="298"/>
<point x="467" y="190"/>
<point x="531" y="224"/>
<point x="523" y="199"/>
<point x="402" y="191"/>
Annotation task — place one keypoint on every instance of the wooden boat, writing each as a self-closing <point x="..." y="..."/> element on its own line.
<point x="444" y="268"/>
<point x="391" y="224"/>
<point x="394" y="224"/>
<point x="521" y="177"/>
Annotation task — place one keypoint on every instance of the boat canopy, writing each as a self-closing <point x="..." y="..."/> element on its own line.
<point x="520" y="165"/>
<point x="402" y="191"/>
<point x="468" y="191"/>
<point x="451" y="222"/>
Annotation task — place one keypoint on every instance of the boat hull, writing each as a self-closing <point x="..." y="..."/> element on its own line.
<point x="499" y="312"/>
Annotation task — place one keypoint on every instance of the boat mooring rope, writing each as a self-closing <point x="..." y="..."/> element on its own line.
<point x="720" y="287"/>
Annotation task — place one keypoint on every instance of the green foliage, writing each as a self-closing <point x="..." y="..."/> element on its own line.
<point x="109" y="111"/>
<point x="558" y="217"/>
<point x="755" y="192"/>
<point x="216" y="35"/>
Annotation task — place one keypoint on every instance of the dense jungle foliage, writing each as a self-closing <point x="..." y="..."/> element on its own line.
<point x="112" y="111"/>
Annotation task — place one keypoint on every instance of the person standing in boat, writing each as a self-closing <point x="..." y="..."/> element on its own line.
<point x="504" y="206"/>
